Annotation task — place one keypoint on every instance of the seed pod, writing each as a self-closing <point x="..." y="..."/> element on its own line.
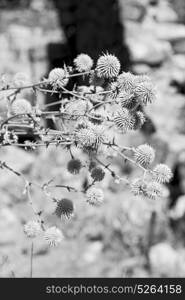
<point x="83" y="62"/>
<point x="108" y="66"/>
<point x="53" y="236"/>
<point x="97" y="174"/>
<point x="21" y="106"/>
<point x="94" y="196"/>
<point x="144" y="155"/>
<point x="64" y="208"/>
<point x="58" y="77"/>
<point x="162" y="173"/>
<point x="74" y="166"/>
<point x="124" y="120"/>
<point x="32" y="229"/>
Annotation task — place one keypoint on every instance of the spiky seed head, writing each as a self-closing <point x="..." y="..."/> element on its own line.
<point x="64" y="208"/>
<point x="20" y="79"/>
<point x="144" y="155"/>
<point x="126" y="82"/>
<point x="124" y="120"/>
<point x="150" y="190"/>
<point x="86" y="138"/>
<point x="138" y="187"/>
<point x="108" y="66"/>
<point x="90" y="138"/>
<point x="94" y="196"/>
<point x="21" y="106"/>
<point x="114" y="88"/>
<point x="58" y="77"/>
<point x="77" y="108"/>
<point x="127" y="100"/>
<point x="97" y="174"/>
<point x="145" y="92"/>
<point x="139" y="118"/>
<point x="154" y="190"/>
<point x="162" y="173"/>
<point x="83" y="62"/>
<point x="53" y="236"/>
<point x="32" y="229"/>
<point x="74" y="166"/>
<point x="99" y="131"/>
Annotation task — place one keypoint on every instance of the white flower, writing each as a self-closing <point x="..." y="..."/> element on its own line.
<point x="20" y="79"/>
<point x="32" y="229"/>
<point x="21" y="106"/>
<point x="83" y="62"/>
<point x="124" y="120"/>
<point x="58" y="77"/>
<point x="114" y="88"/>
<point x="78" y="108"/>
<point x="126" y="82"/>
<point x="94" y="196"/>
<point x="108" y="66"/>
<point x="144" y="155"/>
<point x="127" y="100"/>
<point x="154" y="190"/>
<point x="90" y="137"/>
<point x="162" y="173"/>
<point x="145" y="92"/>
<point x="138" y="187"/>
<point x="53" y="236"/>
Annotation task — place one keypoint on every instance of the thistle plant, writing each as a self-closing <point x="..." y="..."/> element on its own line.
<point x="92" y="118"/>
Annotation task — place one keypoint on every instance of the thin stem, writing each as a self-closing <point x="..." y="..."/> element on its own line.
<point x="101" y="103"/>
<point x="74" y="94"/>
<point x="31" y="260"/>
<point x="150" y="236"/>
<point x="37" y="214"/>
<point x="43" y="82"/>
<point x="69" y="188"/>
<point x="113" y="174"/>
<point x="128" y="158"/>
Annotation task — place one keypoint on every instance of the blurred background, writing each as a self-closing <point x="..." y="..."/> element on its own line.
<point x="121" y="238"/>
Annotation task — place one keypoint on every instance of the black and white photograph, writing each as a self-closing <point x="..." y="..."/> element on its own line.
<point x="92" y="139"/>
